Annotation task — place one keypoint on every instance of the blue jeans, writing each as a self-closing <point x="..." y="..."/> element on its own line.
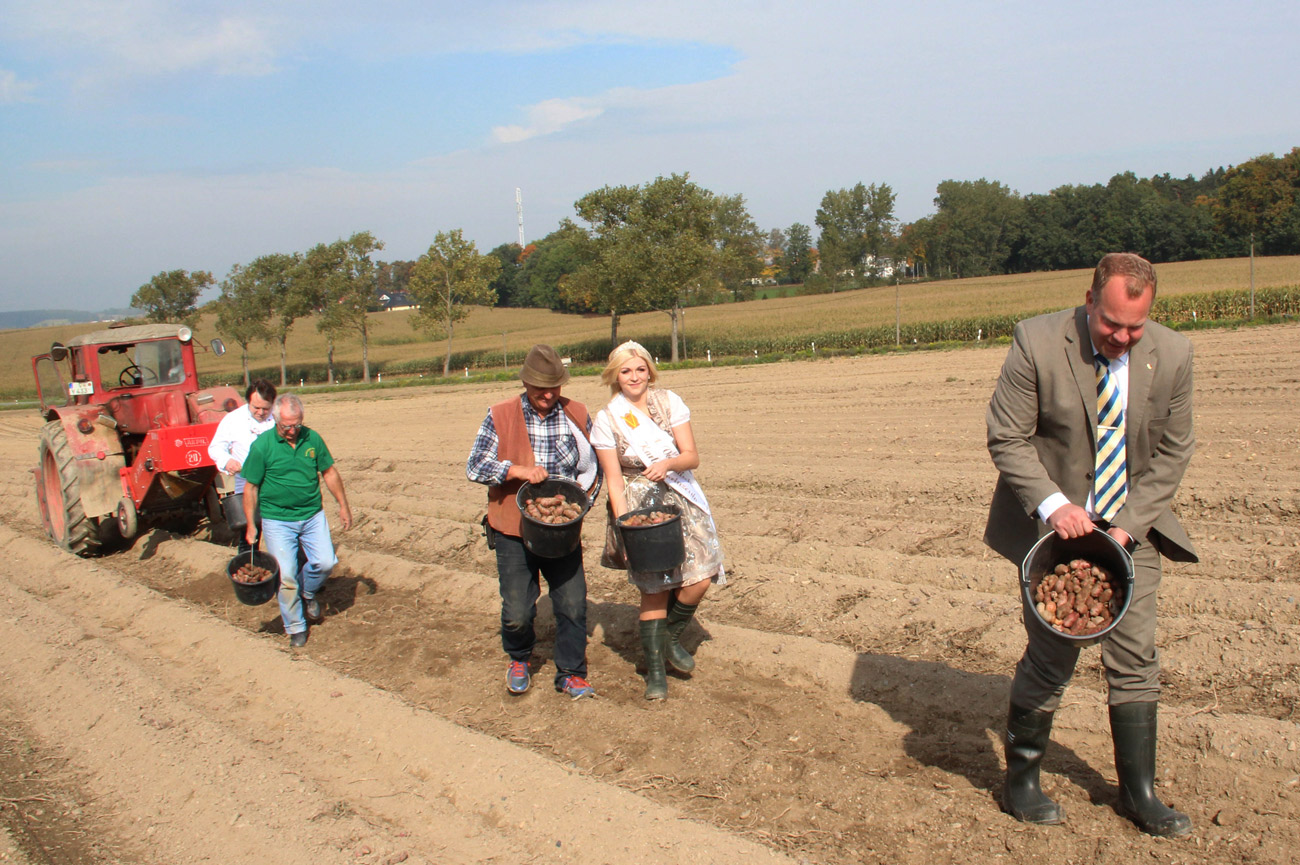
<point x="566" y="582"/>
<point x="282" y="539"/>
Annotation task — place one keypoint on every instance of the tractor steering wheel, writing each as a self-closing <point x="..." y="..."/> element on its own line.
<point x="137" y="376"/>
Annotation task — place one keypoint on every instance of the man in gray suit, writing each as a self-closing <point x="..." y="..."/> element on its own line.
<point x="1043" y="437"/>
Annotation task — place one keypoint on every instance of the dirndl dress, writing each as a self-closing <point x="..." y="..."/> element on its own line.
<point x="704" y="557"/>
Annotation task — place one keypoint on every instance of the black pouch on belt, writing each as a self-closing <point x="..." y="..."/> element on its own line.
<point x="489" y="533"/>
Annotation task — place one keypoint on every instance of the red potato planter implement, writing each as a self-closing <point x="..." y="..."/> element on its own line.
<point x="126" y="436"/>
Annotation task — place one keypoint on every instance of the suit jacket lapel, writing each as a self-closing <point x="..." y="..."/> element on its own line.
<point x="1141" y="370"/>
<point x="1078" y="349"/>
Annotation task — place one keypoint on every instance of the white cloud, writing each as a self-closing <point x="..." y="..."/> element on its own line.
<point x="107" y="39"/>
<point x="547" y="117"/>
<point x="230" y="46"/>
<point x="12" y="90"/>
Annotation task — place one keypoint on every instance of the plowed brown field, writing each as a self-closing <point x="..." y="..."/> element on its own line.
<point x="851" y="683"/>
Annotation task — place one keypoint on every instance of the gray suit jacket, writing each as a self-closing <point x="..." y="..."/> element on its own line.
<point x="1042" y="431"/>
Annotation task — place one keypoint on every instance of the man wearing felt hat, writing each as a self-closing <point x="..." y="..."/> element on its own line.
<point x="527" y="439"/>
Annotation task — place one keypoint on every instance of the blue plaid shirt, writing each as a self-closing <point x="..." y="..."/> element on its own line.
<point x="554" y="447"/>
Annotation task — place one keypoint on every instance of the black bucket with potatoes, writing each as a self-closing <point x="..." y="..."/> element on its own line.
<point x="1096" y="547"/>
<point x="656" y="547"/>
<point x="546" y="539"/>
<point x="254" y="594"/>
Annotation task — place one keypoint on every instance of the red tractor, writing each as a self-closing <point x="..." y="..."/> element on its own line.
<point x="127" y="433"/>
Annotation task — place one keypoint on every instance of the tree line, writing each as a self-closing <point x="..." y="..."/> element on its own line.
<point x="979" y="228"/>
<point x="982" y="228"/>
<point x="670" y="243"/>
<point x="338" y="283"/>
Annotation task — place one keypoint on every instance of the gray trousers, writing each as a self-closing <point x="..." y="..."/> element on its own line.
<point x="1128" y="652"/>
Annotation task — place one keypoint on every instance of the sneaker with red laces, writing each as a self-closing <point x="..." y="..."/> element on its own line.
<point x="576" y="687"/>
<point x="517" y="677"/>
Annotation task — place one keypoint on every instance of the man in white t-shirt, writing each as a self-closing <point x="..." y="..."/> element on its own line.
<point x="236" y="432"/>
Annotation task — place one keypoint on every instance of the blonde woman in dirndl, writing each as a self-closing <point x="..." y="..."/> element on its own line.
<point x="646" y="449"/>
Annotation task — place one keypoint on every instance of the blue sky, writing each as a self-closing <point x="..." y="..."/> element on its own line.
<point x="138" y="136"/>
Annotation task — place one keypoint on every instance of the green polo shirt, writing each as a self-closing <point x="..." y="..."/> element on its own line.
<point x="287" y="476"/>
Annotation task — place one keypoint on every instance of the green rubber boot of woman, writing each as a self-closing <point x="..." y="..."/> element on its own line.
<point x="654" y="634"/>
<point x="679" y="616"/>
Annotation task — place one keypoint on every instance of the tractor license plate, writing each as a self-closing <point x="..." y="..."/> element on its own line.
<point x="81" y="388"/>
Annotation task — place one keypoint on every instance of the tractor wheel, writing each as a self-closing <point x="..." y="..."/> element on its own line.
<point x="58" y="492"/>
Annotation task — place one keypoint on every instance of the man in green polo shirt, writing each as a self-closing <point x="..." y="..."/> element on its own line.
<point x="283" y="472"/>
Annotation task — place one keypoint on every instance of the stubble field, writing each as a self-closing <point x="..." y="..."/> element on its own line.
<point x="851" y="683"/>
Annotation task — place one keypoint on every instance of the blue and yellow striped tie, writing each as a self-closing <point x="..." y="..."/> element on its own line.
<point x="1110" y="483"/>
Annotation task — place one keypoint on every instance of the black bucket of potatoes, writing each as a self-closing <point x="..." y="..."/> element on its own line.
<point x="1101" y="593"/>
<point x="653" y="540"/>
<point x="549" y="528"/>
<point x="243" y="571"/>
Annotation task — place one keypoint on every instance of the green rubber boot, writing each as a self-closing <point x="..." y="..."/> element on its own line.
<point x="1028" y="731"/>
<point x="654" y="634"/>
<point x="679" y="616"/>
<point x="1133" y="727"/>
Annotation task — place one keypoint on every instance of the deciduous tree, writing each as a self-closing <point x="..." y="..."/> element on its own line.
<point x="506" y="284"/>
<point x="611" y="278"/>
<point x="551" y="261"/>
<point x="340" y="278"/>
<point x="676" y="229"/>
<point x="739" y="245"/>
<point x="976" y="225"/>
<point x="446" y="281"/>
<point x="1261" y="198"/>
<point x="392" y="276"/>
<point x="290" y="299"/>
<point x="798" y="261"/>
<point x="172" y="296"/>
<point x="243" y="311"/>
<point x="857" y="226"/>
<point x="645" y="247"/>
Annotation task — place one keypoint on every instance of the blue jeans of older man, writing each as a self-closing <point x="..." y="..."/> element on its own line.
<point x="283" y="539"/>
<point x="566" y="582"/>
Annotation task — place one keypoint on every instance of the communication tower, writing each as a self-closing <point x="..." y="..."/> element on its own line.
<point x="519" y="209"/>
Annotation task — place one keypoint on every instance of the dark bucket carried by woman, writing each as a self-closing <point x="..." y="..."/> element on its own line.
<point x="655" y="547"/>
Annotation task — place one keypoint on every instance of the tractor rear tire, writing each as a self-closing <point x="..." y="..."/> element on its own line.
<point x="58" y="493"/>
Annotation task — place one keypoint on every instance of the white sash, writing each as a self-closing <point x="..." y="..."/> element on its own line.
<point x="650" y="444"/>
<point x="587" y="464"/>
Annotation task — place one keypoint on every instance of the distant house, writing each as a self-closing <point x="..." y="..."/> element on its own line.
<point x="882" y="267"/>
<point x="391" y="300"/>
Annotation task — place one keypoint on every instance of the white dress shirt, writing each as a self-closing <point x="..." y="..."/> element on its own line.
<point x="234" y="436"/>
